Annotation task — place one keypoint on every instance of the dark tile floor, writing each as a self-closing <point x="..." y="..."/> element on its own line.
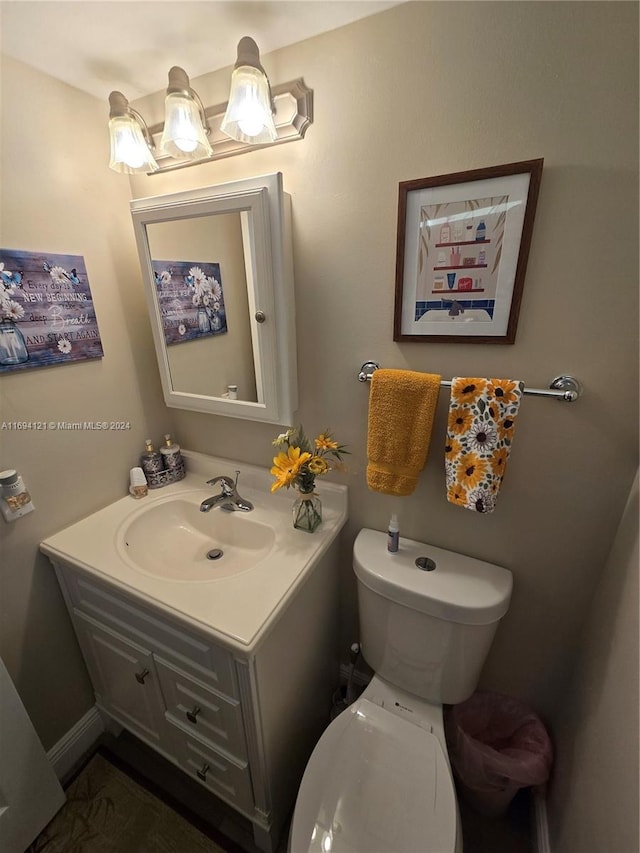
<point x="509" y="834"/>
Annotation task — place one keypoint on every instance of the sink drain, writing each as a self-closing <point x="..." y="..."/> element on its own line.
<point x="215" y="554"/>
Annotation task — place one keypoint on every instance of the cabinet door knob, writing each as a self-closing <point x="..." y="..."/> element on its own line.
<point x="202" y="773"/>
<point x="140" y="676"/>
<point x="193" y="714"/>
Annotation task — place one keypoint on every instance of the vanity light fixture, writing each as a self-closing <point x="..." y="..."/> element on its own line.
<point x="256" y="115"/>
<point x="185" y="126"/>
<point x="131" y="142"/>
<point x="249" y="115"/>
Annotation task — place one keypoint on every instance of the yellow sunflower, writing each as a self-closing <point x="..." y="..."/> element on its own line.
<point x="460" y="420"/>
<point x="505" y="391"/>
<point x="505" y="429"/>
<point x="452" y="449"/>
<point x="499" y="461"/>
<point x="286" y="467"/>
<point x="467" y="390"/>
<point x="325" y="442"/>
<point x="471" y="470"/>
<point x="457" y="494"/>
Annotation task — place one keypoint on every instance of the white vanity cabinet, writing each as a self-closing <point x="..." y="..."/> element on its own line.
<point x="242" y="724"/>
<point x="228" y="676"/>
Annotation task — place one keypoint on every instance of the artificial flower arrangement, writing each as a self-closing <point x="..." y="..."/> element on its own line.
<point x="300" y="461"/>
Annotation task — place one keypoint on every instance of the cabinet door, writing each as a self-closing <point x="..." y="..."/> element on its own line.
<point x="124" y="677"/>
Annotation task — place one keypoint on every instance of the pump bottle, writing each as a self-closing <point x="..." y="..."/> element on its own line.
<point x="393" y="537"/>
<point x="171" y="454"/>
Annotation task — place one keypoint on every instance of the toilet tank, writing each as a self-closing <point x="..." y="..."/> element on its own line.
<point x="427" y="631"/>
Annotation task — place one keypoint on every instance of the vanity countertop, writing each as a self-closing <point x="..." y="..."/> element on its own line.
<point x="238" y="608"/>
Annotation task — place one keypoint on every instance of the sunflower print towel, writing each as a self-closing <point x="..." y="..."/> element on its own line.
<point x="480" y="427"/>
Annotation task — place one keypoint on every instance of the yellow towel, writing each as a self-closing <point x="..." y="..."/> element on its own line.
<point x="480" y="428"/>
<point x="402" y="406"/>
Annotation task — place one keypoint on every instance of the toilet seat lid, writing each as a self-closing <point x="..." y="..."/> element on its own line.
<point x="375" y="782"/>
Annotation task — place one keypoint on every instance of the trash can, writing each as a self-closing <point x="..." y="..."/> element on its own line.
<point x="497" y="745"/>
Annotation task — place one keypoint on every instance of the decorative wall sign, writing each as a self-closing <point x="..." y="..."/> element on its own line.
<point x="46" y="311"/>
<point x="462" y="250"/>
<point x="190" y="300"/>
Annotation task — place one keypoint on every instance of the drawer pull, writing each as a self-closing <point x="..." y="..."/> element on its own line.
<point x="192" y="716"/>
<point x="140" y="676"/>
<point x="202" y="773"/>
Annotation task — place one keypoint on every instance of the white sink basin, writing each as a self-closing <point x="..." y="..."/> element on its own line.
<point x="175" y="541"/>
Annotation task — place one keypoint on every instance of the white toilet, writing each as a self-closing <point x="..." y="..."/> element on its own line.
<point x="379" y="779"/>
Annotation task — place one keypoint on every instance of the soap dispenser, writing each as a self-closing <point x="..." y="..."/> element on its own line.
<point x="151" y="461"/>
<point x="171" y="454"/>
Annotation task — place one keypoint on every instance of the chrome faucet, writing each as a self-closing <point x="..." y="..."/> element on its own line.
<point x="228" y="498"/>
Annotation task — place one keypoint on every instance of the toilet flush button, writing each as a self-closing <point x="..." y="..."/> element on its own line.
<point x="426" y="564"/>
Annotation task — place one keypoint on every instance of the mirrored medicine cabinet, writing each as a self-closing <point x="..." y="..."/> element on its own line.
<point x="218" y="273"/>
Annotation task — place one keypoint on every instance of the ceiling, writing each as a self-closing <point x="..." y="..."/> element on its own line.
<point x="129" y="45"/>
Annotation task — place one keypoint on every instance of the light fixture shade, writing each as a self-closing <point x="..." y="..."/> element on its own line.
<point x="130" y="151"/>
<point x="249" y="115"/>
<point x="184" y="136"/>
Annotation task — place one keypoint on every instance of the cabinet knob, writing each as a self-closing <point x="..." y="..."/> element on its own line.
<point x="193" y="714"/>
<point x="140" y="676"/>
<point x="202" y="773"/>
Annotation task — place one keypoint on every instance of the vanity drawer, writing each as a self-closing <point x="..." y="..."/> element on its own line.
<point x="192" y="704"/>
<point x="222" y="775"/>
<point x="190" y="650"/>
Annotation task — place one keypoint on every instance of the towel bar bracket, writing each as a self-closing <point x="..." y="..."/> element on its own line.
<point x="564" y="388"/>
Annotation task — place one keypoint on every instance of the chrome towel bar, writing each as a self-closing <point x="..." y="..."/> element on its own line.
<point x="565" y="388"/>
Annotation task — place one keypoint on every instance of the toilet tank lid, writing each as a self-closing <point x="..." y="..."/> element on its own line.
<point x="460" y="589"/>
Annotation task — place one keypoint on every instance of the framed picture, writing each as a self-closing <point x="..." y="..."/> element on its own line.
<point x="462" y="251"/>
<point x="47" y="311"/>
<point x="190" y="299"/>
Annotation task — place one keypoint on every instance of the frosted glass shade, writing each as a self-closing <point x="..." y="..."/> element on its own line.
<point x="129" y="150"/>
<point x="184" y="136"/>
<point x="248" y="117"/>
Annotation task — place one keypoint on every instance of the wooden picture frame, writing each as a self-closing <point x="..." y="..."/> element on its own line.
<point x="462" y="250"/>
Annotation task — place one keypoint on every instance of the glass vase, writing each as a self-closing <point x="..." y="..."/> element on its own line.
<point x="13" y="349"/>
<point x="204" y="324"/>
<point x="307" y="511"/>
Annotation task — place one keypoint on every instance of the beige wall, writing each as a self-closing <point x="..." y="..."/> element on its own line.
<point x="59" y="197"/>
<point x="427" y="89"/>
<point x="594" y="796"/>
<point x="423" y="89"/>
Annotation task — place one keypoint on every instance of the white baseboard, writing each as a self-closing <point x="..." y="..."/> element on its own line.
<point x="540" y="822"/>
<point x="66" y="753"/>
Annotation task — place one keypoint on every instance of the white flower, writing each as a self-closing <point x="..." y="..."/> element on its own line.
<point x="58" y="275"/>
<point x="64" y="345"/>
<point x="182" y="329"/>
<point x="216" y="288"/>
<point x="481" y="500"/>
<point x="205" y="299"/>
<point x="165" y="277"/>
<point x="482" y="437"/>
<point x="195" y="299"/>
<point x="282" y="438"/>
<point x="13" y="311"/>
<point x="196" y="274"/>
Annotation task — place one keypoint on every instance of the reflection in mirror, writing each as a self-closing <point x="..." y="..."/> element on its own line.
<point x="201" y="284"/>
<point x="218" y="274"/>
